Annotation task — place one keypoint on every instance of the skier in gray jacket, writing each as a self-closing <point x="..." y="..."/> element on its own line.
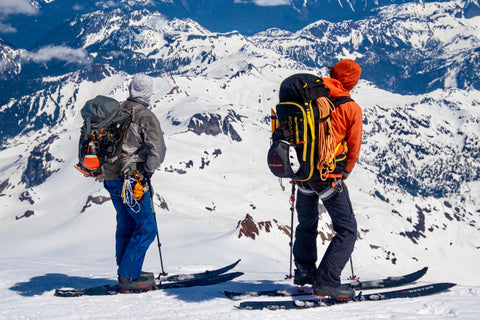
<point x="143" y="151"/>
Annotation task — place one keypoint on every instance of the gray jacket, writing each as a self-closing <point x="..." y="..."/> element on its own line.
<point x="144" y="147"/>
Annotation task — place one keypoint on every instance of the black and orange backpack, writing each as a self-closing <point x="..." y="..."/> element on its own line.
<point x="302" y="137"/>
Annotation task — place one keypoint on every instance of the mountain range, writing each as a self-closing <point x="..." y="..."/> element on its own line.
<point x="411" y="49"/>
<point x="25" y="21"/>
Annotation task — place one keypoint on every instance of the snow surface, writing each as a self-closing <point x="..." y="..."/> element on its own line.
<point x="27" y="286"/>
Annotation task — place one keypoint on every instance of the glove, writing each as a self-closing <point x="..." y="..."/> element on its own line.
<point x="139" y="188"/>
<point x="138" y="191"/>
<point x="148" y="175"/>
<point x="345" y="175"/>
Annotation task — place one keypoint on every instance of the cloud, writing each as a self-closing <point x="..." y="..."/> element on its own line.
<point x="62" y="53"/>
<point x="266" y="3"/>
<point x="6" y="28"/>
<point x="9" y="7"/>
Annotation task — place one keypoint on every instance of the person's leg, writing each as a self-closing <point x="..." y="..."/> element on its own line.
<point x="145" y="231"/>
<point x="125" y="223"/>
<point x="305" y="245"/>
<point x="338" y="252"/>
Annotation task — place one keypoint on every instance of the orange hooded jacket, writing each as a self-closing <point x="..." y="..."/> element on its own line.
<point x="347" y="118"/>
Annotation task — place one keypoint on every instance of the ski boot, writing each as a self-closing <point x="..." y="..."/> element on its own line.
<point x="304" y="274"/>
<point x="338" y="293"/>
<point x="144" y="283"/>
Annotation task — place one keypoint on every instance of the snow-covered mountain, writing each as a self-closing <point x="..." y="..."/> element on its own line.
<point x="32" y="18"/>
<point x="412" y="48"/>
<point x="407" y="49"/>
<point x="10" y="64"/>
<point x="414" y="190"/>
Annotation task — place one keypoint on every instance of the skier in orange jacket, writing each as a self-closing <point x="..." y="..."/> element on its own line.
<point x="346" y="123"/>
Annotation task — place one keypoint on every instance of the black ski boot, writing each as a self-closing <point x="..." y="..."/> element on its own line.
<point x="339" y="293"/>
<point x="304" y="274"/>
<point x="144" y="283"/>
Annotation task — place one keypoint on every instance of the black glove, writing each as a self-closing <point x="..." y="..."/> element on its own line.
<point x="148" y="175"/>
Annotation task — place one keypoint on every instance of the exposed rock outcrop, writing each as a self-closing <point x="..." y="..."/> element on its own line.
<point x="213" y="124"/>
<point x="95" y="200"/>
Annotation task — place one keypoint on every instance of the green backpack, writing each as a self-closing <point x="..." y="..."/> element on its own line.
<point x="104" y="128"/>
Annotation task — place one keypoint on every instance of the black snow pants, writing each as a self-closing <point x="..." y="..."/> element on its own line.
<point x="339" y="208"/>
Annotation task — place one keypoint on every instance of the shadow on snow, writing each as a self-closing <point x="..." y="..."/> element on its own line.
<point x="50" y="281"/>
<point x="204" y="293"/>
<point x="40" y="284"/>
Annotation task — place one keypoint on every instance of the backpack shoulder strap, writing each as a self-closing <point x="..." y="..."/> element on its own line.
<point x="340" y="100"/>
<point x="135" y="105"/>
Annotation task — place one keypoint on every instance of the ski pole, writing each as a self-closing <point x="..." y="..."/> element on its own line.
<point x="292" y="211"/>
<point x="353" y="277"/>
<point x="156" y="226"/>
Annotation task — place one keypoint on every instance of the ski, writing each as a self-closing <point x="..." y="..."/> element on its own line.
<point x="205" y="278"/>
<point x="192" y="276"/>
<point x="314" y="302"/>
<point x="111" y="289"/>
<point x="356" y="284"/>
<point x="388" y="282"/>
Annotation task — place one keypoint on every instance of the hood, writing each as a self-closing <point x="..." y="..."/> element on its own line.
<point x="347" y="72"/>
<point x="141" y="87"/>
<point x="336" y="88"/>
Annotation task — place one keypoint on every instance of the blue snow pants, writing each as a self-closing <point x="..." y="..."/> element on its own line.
<point x="341" y="246"/>
<point x="136" y="230"/>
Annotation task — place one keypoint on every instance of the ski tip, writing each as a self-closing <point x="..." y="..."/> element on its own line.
<point x="237" y="274"/>
<point x="233" y="265"/>
<point x="421" y="272"/>
<point x="450" y="284"/>
<point x="230" y="275"/>
<point x="443" y="286"/>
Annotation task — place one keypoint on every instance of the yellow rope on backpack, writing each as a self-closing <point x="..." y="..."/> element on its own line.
<point x="326" y="138"/>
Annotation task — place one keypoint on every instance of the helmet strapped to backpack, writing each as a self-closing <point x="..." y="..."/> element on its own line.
<point x="104" y="128"/>
<point x="282" y="159"/>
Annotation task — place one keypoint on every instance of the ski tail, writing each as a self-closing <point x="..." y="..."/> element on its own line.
<point x="288" y="292"/>
<point x="108" y="289"/>
<point x="281" y="305"/>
